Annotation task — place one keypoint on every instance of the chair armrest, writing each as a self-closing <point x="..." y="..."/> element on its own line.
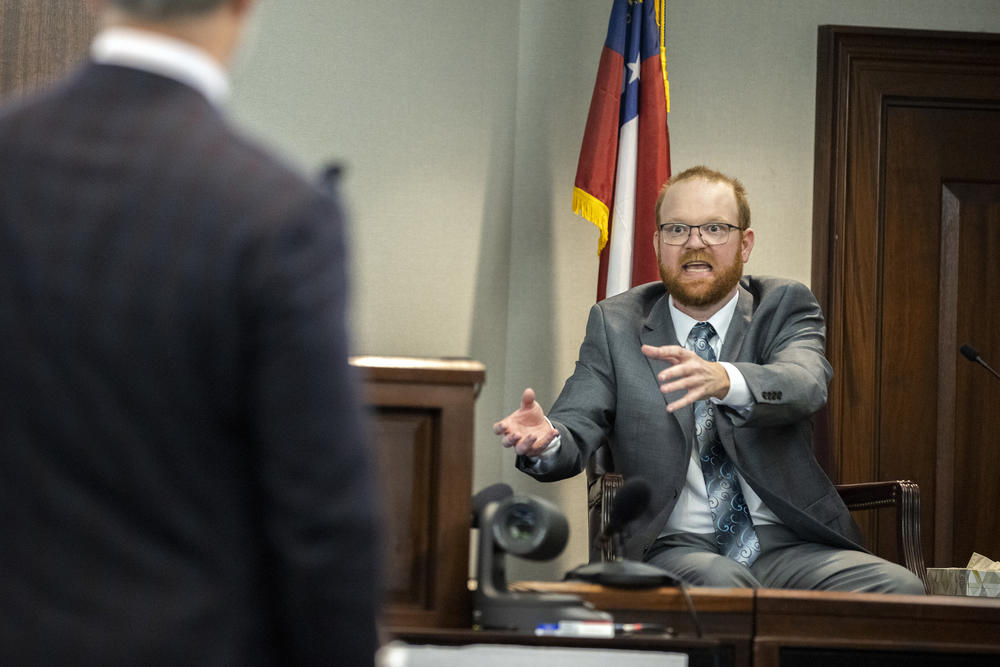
<point x="869" y="495"/>
<point x="609" y="484"/>
<point x="904" y="495"/>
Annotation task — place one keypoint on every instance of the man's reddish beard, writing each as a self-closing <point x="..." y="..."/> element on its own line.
<point x="703" y="292"/>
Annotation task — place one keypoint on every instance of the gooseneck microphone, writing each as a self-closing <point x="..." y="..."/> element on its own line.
<point x="970" y="353"/>
<point x="630" y="501"/>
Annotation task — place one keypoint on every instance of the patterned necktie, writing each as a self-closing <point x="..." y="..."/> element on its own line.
<point x="734" y="531"/>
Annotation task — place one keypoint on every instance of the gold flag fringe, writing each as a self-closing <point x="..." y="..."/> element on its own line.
<point x="593" y="209"/>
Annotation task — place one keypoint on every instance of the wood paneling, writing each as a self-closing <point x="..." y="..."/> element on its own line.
<point x="810" y="628"/>
<point x="40" y="40"/>
<point x="405" y="454"/>
<point x="937" y="282"/>
<point x="908" y="133"/>
<point x="970" y="424"/>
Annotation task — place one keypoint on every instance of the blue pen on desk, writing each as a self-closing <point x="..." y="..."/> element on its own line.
<point x="575" y="629"/>
<point x="546" y="629"/>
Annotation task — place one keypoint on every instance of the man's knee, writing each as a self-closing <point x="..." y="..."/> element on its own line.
<point x="726" y="575"/>
<point x="876" y="576"/>
<point x="903" y="582"/>
<point x="705" y="569"/>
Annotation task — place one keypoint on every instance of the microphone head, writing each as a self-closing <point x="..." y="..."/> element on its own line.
<point x="492" y="493"/>
<point x="630" y="501"/>
<point x="969" y="352"/>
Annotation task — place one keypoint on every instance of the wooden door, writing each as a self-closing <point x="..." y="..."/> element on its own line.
<point x="906" y="263"/>
<point x="40" y="40"/>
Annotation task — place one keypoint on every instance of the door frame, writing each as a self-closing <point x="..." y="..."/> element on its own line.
<point x="860" y="73"/>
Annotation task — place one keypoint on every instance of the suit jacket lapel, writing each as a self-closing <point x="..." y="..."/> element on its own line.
<point x="658" y="330"/>
<point x="737" y="327"/>
<point x="735" y="335"/>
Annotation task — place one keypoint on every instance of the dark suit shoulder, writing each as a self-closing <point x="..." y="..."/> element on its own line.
<point x="265" y="184"/>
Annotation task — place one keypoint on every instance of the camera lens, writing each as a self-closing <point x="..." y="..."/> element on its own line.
<point x="521" y="523"/>
<point x="530" y="527"/>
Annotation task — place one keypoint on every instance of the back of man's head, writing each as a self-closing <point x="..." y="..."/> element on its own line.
<point x="215" y="26"/>
<point x="162" y="9"/>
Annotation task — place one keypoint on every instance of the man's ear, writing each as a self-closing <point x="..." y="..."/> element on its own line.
<point x="746" y="244"/>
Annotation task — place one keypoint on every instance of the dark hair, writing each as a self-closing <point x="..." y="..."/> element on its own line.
<point x="742" y="205"/>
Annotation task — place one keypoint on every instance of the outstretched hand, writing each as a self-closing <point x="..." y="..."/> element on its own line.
<point x="526" y="429"/>
<point x="700" y="379"/>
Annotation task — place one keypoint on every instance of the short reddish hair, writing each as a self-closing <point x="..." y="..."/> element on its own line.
<point x="742" y="205"/>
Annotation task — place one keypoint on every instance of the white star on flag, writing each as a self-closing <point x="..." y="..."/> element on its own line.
<point x="634" y="69"/>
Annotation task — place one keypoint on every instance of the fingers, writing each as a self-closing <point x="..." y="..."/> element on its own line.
<point x="689" y="384"/>
<point x="500" y="428"/>
<point x="532" y="445"/>
<point x="509" y="422"/>
<point x="685" y="400"/>
<point x="689" y="370"/>
<point x="693" y="388"/>
<point x="671" y="353"/>
<point x="527" y="398"/>
<point x="698" y="378"/>
<point x="525" y="446"/>
<point x="526" y="429"/>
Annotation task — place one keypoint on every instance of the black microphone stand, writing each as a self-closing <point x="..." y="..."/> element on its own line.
<point x="622" y="572"/>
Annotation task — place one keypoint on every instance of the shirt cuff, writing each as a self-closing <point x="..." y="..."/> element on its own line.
<point x="543" y="462"/>
<point x="738" y="398"/>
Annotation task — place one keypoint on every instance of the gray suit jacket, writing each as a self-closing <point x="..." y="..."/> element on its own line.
<point x="776" y="339"/>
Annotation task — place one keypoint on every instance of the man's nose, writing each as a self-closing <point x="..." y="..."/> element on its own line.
<point x="694" y="239"/>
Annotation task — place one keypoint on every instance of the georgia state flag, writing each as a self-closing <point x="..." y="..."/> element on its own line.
<point x="625" y="155"/>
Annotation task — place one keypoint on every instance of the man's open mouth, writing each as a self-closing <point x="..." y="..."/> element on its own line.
<point x="697" y="267"/>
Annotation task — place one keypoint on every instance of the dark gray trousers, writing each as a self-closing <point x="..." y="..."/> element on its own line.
<point x="785" y="561"/>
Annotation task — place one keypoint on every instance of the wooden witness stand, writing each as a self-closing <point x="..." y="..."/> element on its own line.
<point x="422" y="427"/>
<point x="771" y="628"/>
<point x="422" y="424"/>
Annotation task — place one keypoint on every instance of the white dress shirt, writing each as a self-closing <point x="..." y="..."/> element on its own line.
<point x="166" y="56"/>
<point x="691" y="513"/>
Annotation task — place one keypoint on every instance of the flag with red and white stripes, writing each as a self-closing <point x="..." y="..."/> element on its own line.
<point x="625" y="155"/>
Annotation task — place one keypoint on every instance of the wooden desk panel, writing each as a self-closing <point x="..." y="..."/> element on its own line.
<point x="772" y="628"/>
<point x="791" y="627"/>
<point x="422" y="422"/>
<point x="779" y="628"/>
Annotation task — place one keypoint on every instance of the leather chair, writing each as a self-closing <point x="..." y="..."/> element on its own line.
<point x="902" y="495"/>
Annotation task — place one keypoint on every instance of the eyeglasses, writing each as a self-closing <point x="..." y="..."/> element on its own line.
<point x="711" y="233"/>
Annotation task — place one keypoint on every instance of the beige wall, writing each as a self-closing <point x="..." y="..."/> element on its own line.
<point x="459" y="124"/>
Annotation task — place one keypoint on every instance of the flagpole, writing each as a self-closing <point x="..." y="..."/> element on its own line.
<point x="661" y="22"/>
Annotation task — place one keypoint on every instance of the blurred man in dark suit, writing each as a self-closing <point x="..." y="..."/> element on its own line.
<point x="182" y="474"/>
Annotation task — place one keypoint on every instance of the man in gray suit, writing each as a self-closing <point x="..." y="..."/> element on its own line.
<point x="184" y="477"/>
<point x="705" y="385"/>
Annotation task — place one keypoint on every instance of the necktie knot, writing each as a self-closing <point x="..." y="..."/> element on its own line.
<point x="699" y="338"/>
